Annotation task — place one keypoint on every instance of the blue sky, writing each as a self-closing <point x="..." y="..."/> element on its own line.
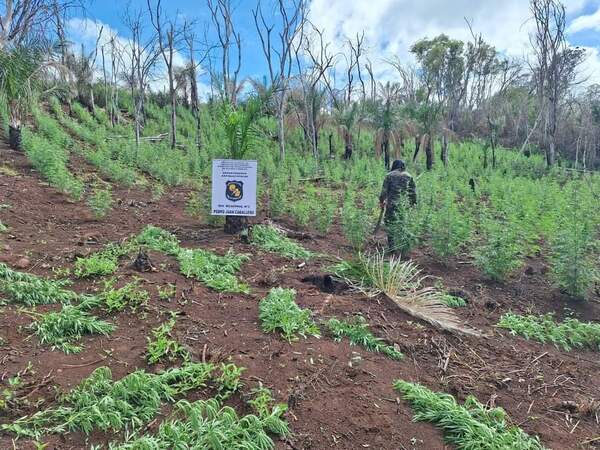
<point x="390" y="26"/>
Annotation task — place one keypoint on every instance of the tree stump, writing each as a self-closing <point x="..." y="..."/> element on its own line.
<point x="14" y="138"/>
<point x="235" y="224"/>
<point x="142" y="262"/>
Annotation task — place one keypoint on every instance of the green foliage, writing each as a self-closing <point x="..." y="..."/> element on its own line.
<point x="62" y="328"/>
<point x="159" y="240"/>
<point x="206" y="424"/>
<point x="162" y="346"/>
<point x="273" y="240"/>
<point x="569" y="334"/>
<point x="574" y="252"/>
<point x="471" y="426"/>
<point x="100" y="201"/>
<point x="402" y="228"/>
<point x="50" y="160"/>
<point x="355" y="224"/>
<point x="3" y="228"/>
<point x="450" y="229"/>
<point x="453" y="301"/>
<point x="29" y="290"/>
<point x="217" y="272"/>
<point x="130" y="295"/>
<point x="500" y="253"/>
<point x="99" y="403"/>
<point x="263" y="404"/>
<point x="168" y="292"/>
<point x="357" y="331"/>
<point x="279" y="311"/>
<point x="240" y="127"/>
<point x="229" y="380"/>
<point x="105" y="262"/>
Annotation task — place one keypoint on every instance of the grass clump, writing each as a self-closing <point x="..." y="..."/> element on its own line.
<point x="217" y="272"/>
<point x="3" y="228"/>
<point x="29" y="290"/>
<point x="569" y="334"/>
<point x="272" y="240"/>
<point x="357" y="331"/>
<point x="162" y="346"/>
<point x="279" y="311"/>
<point x="62" y="328"/>
<point x="100" y="403"/>
<point x="470" y="426"/>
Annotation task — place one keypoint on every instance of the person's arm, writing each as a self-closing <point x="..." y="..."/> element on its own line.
<point x="412" y="191"/>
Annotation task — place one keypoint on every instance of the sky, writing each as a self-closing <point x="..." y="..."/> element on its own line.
<point x="390" y="26"/>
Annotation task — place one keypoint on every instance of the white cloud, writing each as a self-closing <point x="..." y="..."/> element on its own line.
<point x="392" y="26"/>
<point x="85" y="31"/>
<point x="586" y="22"/>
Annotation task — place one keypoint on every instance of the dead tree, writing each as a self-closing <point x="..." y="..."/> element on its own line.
<point x="311" y="79"/>
<point x="22" y="19"/>
<point x="221" y="15"/>
<point x="555" y="64"/>
<point x="278" y="51"/>
<point x="144" y="53"/>
<point x="168" y="36"/>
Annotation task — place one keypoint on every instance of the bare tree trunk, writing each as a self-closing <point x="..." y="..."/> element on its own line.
<point x="445" y="149"/>
<point x="331" y="151"/>
<point x="417" y="146"/>
<point x="429" y="152"/>
<point x="281" y="125"/>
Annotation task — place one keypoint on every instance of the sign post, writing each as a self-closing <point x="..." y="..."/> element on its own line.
<point x="233" y="187"/>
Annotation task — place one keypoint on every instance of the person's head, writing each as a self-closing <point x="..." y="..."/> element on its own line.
<point x="398" y="165"/>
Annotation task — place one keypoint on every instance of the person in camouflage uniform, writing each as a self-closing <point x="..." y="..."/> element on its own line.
<point x="397" y="184"/>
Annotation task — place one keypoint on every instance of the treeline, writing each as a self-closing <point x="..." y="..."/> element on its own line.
<point x="454" y="90"/>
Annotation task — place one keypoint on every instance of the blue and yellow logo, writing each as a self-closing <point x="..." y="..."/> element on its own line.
<point x="234" y="190"/>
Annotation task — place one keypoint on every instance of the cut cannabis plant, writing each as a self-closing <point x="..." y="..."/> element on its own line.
<point x="279" y="311"/>
<point x="470" y="426"/>
<point x="273" y="240"/>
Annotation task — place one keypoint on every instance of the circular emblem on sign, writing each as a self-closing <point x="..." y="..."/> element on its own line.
<point x="234" y="190"/>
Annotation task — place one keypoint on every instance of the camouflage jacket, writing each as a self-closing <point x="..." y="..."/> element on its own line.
<point x="398" y="183"/>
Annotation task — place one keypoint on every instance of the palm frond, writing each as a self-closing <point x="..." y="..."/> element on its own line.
<point x="402" y="282"/>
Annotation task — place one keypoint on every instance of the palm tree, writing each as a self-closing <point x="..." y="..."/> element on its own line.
<point x="346" y="117"/>
<point x="19" y="78"/>
<point x="242" y="134"/>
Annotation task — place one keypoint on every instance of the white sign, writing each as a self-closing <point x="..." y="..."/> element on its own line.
<point x="233" y="187"/>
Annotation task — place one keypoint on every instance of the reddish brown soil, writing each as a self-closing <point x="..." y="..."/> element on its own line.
<point x="332" y="405"/>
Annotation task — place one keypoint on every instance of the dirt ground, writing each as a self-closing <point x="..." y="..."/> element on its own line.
<point x="545" y="391"/>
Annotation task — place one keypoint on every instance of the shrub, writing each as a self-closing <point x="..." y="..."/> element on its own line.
<point x="279" y="311"/>
<point x="449" y="228"/>
<point x="100" y="201"/>
<point x="356" y="225"/>
<point x="500" y="253"/>
<point x="574" y="252"/>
